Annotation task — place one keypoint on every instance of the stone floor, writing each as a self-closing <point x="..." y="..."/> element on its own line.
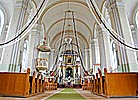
<point x="84" y="93"/>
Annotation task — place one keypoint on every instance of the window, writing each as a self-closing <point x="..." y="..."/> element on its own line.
<point x="24" y="57"/>
<point x="137" y="19"/>
<point x="114" y="58"/>
<point x="1" y="21"/>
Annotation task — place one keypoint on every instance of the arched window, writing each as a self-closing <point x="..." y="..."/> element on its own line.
<point x="136" y="19"/>
<point x="24" y="57"/>
<point x="114" y="58"/>
<point x="1" y="21"/>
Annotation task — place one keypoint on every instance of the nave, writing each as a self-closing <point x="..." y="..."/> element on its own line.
<point x="52" y="46"/>
<point x="84" y="95"/>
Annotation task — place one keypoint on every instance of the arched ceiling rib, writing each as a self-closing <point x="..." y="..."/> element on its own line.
<point x="54" y="14"/>
<point x="82" y="40"/>
<point x="77" y="20"/>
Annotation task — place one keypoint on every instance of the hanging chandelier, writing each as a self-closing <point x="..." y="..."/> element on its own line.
<point x="44" y="47"/>
<point x="69" y="53"/>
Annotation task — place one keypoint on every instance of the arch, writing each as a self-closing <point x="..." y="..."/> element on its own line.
<point x="56" y="38"/>
<point x="33" y="3"/>
<point x="56" y="15"/>
<point x="32" y="6"/>
<point x="77" y="20"/>
<point x="62" y="1"/>
<point x="105" y="13"/>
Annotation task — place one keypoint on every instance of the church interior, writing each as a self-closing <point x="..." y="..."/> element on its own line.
<point x="68" y="49"/>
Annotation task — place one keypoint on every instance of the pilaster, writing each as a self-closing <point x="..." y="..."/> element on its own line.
<point x="104" y="47"/>
<point x="10" y="52"/>
<point x="51" y="58"/>
<point x="95" y="51"/>
<point x="34" y="41"/>
<point x="120" y="23"/>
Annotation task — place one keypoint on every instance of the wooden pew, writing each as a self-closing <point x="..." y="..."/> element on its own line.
<point x="49" y="84"/>
<point x="115" y="84"/>
<point x="37" y="84"/>
<point x="90" y="85"/>
<point x="121" y="84"/>
<point x="40" y="84"/>
<point x="85" y="84"/>
<point x="98" y="87"/>
<point x="93" y="84"/>
<point x="32" y="83"/>
<point x="14" y="84"/>
<point x="102" y="82"/>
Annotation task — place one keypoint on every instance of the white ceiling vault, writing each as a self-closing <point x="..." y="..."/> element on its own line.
<point x="53" y="20"/>
<point x="52" y="17"/>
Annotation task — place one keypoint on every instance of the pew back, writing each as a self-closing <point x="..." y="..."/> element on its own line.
<point x="121" y="84"/>
<point x="14" y="84"/>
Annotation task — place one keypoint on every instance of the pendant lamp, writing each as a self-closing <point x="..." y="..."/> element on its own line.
<point x="44" y="47"/>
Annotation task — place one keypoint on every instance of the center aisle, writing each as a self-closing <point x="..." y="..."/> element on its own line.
<point x="67" y="94"/>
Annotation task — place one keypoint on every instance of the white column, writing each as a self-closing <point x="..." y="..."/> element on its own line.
<point x="7" y="54"/>
<point x="90" y="57"/>
<point x="34" y="41"/>
<point x="120" y="24"/>
<point x="51" y="58"/>
<point x="86" y="59"/>
<point x="104" y="48"/>
<point x="95" y="51"/>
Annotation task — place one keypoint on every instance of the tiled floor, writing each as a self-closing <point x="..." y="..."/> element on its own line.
<point x="89" y="96"/>
<point x="84" y="93"/>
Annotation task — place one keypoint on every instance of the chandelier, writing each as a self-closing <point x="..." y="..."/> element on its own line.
<point x="44" y="47"/>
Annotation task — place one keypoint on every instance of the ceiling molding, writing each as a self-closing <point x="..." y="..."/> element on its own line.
<point x="70" y="19"/>
<point x="58" y="36"/>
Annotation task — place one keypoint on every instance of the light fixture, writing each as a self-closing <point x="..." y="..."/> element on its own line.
<point x="68" y="40"/>
<point x="44" y="47"/>
<point x="60" y="59"/>
<point x="78" y="59"/>
<point x="71" y="56"/>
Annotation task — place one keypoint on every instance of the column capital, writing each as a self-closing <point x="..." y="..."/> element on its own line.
<point x="101" y="30"/>
<point x="86" y="49"/>
<point x="94" y="42"/>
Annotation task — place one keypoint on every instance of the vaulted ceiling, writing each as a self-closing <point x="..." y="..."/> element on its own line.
<point x="52" y="18"/>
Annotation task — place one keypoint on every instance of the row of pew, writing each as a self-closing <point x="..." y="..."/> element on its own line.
<point x="112" y="84"/>
<point x="50" y="84"/>
<point x="21" y="84"/>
